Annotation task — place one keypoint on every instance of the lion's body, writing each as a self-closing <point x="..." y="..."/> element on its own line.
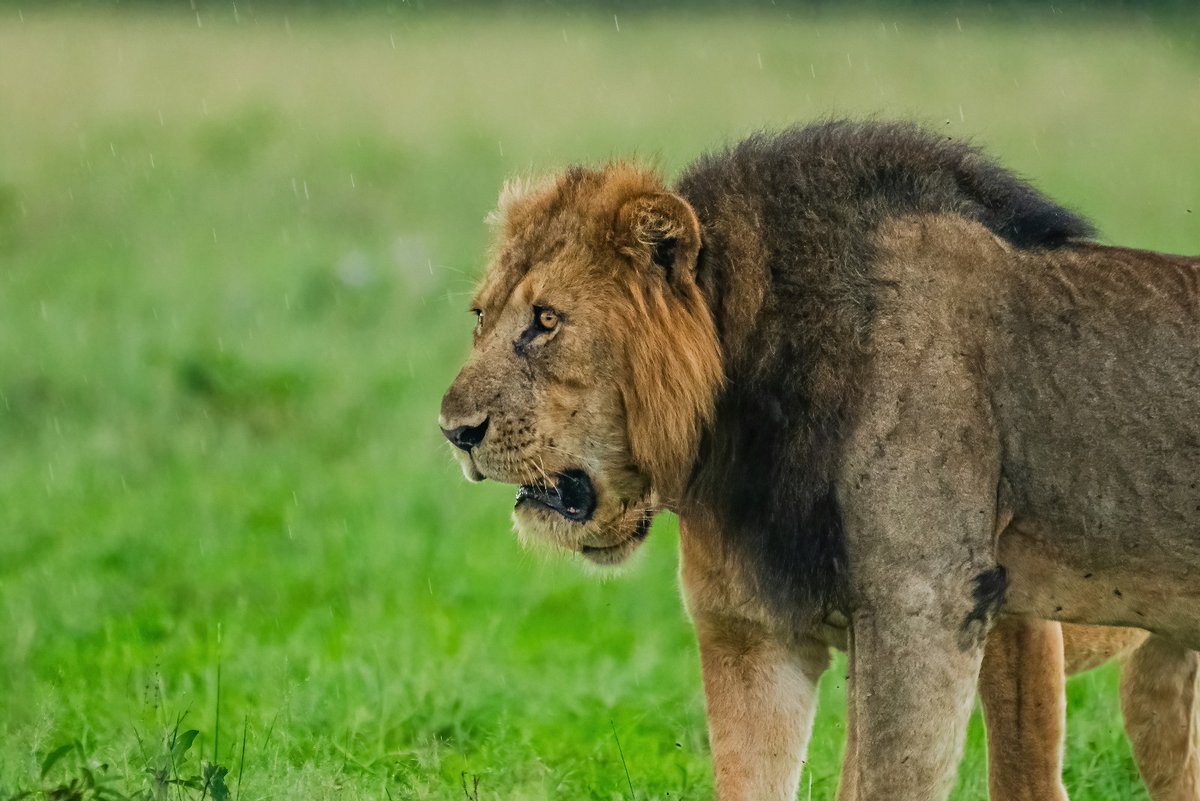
<point x="934" y="397"/>
<point x="1055" y="395"/>
<point x="1077" y="372"/>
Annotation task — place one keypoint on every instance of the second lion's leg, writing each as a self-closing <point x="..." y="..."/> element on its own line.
<point x="1159" y="688"/>
<point x="1021" y="685"/>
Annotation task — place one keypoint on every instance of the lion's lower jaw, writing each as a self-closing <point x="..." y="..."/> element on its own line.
<point x="538" y="529"/>
<point x="612" y="555"/>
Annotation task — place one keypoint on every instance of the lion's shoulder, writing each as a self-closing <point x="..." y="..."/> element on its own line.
<point x="789" y="266"/>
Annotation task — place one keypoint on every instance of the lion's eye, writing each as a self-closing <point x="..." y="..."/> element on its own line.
<point x="478" y="319"/>
<point x="545" y="319"/>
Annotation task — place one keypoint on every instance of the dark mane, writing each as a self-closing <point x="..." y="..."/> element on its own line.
<point x="787" y="267"/>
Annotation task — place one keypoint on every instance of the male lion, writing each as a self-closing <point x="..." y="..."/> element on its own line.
<point x="889" y="389"/>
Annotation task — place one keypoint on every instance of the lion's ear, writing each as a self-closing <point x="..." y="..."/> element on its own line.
<point x="660" y="229"/>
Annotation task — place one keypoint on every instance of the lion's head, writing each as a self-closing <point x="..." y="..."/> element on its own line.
<point x="595" y="362"/>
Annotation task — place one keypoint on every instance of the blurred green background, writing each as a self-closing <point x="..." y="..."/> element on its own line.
<point x="237" y="244"/>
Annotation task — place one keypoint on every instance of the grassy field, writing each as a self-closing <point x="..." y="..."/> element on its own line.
<point x="236" y="251"/>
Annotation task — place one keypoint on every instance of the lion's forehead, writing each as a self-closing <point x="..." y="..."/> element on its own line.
<point x="516" y="257"/>
<point x="571" y="271"/>
<point x="563" y="222"/>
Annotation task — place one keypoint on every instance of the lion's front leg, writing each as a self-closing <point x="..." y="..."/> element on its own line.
<point x="914" y="680"/>
<point x="760" y="680"/>
<point x="761" y="696"/>
<point x="918" y="494"/>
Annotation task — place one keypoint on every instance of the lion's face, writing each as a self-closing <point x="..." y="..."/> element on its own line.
<point x="561" y="392"/>
<point x="544" y="414"/>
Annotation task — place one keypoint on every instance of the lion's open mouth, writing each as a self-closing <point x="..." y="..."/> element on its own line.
<point x="572" y="496"/>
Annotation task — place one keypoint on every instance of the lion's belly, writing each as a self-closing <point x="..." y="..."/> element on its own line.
<point x="1045" y="582"/>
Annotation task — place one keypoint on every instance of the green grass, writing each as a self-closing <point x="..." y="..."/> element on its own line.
<point x="235" y="258"/>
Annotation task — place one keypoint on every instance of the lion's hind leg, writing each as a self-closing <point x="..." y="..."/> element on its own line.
<point x="1088" y="647"/>
<point x="1159" y="700"/>
<point x="1159" y="688"/>
<point x="1021" y="685"/>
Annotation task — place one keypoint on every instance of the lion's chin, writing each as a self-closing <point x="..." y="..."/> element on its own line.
<point x="616" y="554"/>
<point x="539" y="525"/>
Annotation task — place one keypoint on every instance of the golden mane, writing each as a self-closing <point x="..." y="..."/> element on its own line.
<point x="674" y="375"/>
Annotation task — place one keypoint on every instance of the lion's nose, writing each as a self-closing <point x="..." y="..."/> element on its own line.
<point x="467" y="437"/>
